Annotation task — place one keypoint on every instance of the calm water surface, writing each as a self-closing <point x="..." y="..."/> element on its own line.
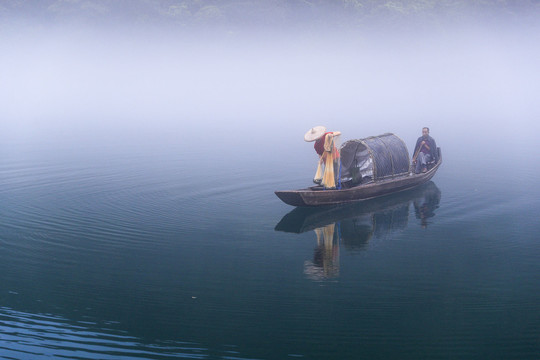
<point x="160" y="250"/>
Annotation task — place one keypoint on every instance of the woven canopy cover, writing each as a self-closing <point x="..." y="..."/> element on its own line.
<point x="373" y="158"/>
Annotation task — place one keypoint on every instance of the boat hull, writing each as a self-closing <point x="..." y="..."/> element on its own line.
<point x="312" y="197"/>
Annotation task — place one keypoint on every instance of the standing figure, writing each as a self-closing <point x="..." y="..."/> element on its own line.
<point x="424" y="151"/>
<point x="328" y="155"/>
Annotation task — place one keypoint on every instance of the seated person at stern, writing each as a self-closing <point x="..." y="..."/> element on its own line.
<point x="424" y="151"/>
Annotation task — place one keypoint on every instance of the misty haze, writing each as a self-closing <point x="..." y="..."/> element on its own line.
<point x="142" y="142"/>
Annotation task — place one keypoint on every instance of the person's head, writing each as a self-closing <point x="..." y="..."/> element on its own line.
<point x="425" y="131"/>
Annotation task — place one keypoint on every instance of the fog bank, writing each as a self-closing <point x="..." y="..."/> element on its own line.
<point x="70" y="84"/>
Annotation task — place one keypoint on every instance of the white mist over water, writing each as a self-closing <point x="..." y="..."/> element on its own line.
<point x="76" y="87"/>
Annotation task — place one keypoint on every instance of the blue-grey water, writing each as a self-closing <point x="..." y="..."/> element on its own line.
<point x="127" y="231"/>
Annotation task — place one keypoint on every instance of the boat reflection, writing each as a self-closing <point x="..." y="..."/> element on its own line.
<point x="354" y="225"/>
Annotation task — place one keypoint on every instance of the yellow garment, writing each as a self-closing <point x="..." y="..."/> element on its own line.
<point x="330" y="154"/>
<point x="329" y="180"/>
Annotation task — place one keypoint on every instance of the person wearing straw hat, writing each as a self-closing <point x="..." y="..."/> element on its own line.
<point x="328" y="154"/>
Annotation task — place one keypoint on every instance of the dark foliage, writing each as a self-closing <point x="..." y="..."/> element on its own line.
<point x="269" y="13"/>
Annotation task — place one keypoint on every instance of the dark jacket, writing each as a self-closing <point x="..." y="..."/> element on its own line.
<point x="432" y="147"/>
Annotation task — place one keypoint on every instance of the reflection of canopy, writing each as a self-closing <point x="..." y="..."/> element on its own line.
<point x="373" y="158"/>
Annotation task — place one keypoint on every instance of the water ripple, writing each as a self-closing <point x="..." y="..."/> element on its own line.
<point x="34" y="335"/>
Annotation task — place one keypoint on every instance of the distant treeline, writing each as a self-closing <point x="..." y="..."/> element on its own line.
<point x="268" y="13"/>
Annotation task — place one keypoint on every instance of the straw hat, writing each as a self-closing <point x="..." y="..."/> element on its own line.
<point x="314" y="133"/>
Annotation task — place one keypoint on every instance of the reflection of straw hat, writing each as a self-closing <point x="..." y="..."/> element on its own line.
<point x="314" y="133"/>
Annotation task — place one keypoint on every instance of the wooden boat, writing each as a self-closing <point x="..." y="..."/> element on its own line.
<point x="386" y="213"/>
<point x="317" y="195"/>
